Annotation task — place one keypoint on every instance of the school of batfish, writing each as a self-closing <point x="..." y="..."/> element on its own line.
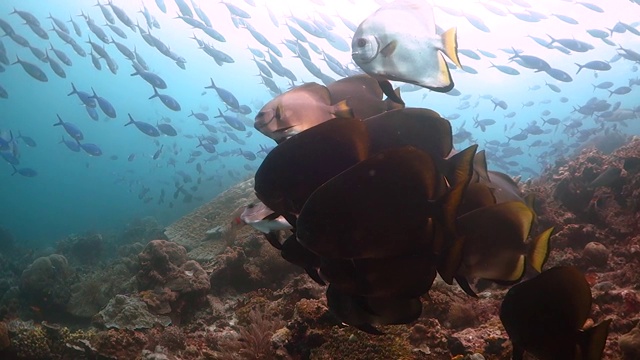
<point x="379" y="202"/>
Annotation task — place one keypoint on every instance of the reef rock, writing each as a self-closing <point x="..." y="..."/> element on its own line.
<point x="45" y="282"/>
<point x="126" y="312"/>
<point x="630" y="343"/>
<point x="169" y="282"/>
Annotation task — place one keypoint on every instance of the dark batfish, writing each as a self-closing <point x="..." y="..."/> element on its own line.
<point x="342" y="142"/>
<point x="544" y="316"/>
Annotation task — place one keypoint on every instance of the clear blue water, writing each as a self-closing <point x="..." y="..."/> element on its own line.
<point x="74" y="192"/>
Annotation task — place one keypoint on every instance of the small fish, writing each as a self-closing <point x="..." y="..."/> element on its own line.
<point x="31" y="69"/>
<point x="224" y="94"/>
<point x="70" y="128"/>
<point x="26" y="172"/>
<point x="27" y="140"/>
<point x="104" y="104"/>
<point x="200" y="116"/>
<point x="594" y="65"/>
<point x="380" y="46"/>
<point x="167" y="100"/>
<point x="144" y="127"/>
<point x="260" y="217"/>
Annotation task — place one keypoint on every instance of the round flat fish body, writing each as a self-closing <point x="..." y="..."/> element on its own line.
<point x="298" y="166"/>
<point x="421" y="128"/>
<point x="375" y="209"/>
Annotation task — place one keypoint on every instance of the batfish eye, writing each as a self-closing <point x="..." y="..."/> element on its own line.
<point x="365" y="48"/>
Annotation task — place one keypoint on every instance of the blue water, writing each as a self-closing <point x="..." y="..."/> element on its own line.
<point x="74" y="192"/>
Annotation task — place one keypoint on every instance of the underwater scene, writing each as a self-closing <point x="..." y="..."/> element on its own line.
<point x="320" y="179"/>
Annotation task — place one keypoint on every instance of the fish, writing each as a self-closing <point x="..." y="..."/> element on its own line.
<point x="167" y="100"/>
<point x="545" y="316"/>
<point x="363" y="96"/>
<point x="144" y="127"/>
<point x="85" y="97"/>
<point x="26" y="172"/>
<point x="33" y="70"/>
<point x="233" y="121"/>
<point x="71" y="144"/>
<point x="105" y="105"/>
<point x="91" y="149"/>
<point x="594" y="65"/>
<point x="381" y="48"/>
<point x="153" y="79"/>
<point x="57" y="68"/>
<point x="298" y="109"/>
<point x="609" y="177"/>
<point x="167" y="129"/>
<point x="70" y="128"/>
<point x="200" y="116"/>
<point x="261" y="218"/>
<point x="226" y="96"/>
<point x="27" y="140"/>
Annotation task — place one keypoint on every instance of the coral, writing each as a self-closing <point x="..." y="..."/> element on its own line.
<point x="169" y="281"/>
<point x="30" y="343"/>
<point x="45" y="283"/>
<point x="158" y="260"/>
<point x="120" y="343"/>
<point x="4" y="336"/>
<point x="95" y="289"/>
<point x="86" y="249"/>
<point x="172" y="338"/>
<point x="254" y="342"/>
<point x="142" y="230"/>
<point x="596" y="254"/>
<point x="125" y="312"/>
<point x="630" y="343"/>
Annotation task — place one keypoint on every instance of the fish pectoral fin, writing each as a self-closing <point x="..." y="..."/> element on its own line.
<point x="539" y="251"/>
<point x="387" y="89"/>
<point x="464" y="285"/>
<point x="389" y="49"/>
<point x="592" y="340"/>
<point x="450" y="45"/>
<point x="343" y="110"/>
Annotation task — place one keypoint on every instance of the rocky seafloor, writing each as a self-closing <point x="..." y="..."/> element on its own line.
<point x="208" y="287"/>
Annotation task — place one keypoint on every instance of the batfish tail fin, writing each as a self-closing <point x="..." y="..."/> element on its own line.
<point x="450" y="45"/>
<point x="539" y="251"/>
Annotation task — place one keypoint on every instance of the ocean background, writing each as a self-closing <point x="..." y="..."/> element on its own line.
<point x="74" y="192"/>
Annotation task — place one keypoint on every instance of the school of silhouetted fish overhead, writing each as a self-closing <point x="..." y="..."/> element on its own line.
<point x="389" y="138"/>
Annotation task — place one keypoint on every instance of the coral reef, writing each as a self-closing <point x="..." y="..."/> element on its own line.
<point x="231" y="296"/>
<point x="131" y="313"/>
<point x="85" y="249"/>
<point x="168" y="278"/>
<point x="46" y="282"/>
<point x="142" y="230"/>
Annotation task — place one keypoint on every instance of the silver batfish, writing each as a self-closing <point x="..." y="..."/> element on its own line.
<point x="399" y="42"/>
